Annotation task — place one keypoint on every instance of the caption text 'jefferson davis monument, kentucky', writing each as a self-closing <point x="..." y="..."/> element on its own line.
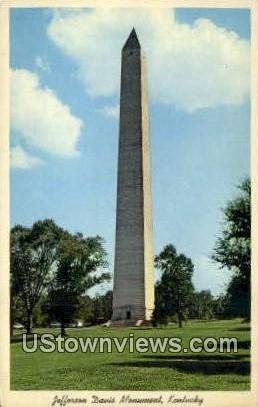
<point x="133" y="297"/>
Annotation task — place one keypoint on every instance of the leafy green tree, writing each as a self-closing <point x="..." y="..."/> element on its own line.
<point x="175" y="286"/>
<point x="41" y="316"/>
<point x="18" y="263"/>
<point x="201" y="305"/>
<point x="102" y="307"/>
<point x="219" y="306"/>
<point x="79" y="261"/>
<point x="237" y="298"/>
<point x="16" y="310"/>
<point x="85" y="310"/>
<point x="95" y="310"/>
<point x="33" y="254"/>
<point x="233" y="250"/>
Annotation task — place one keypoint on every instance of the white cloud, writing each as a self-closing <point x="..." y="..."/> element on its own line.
<point x="40" y="118"/>
<point x="110" y="111"/>
<point x="41" y="64"/>
<point x="189" y="66"/>
<point x="22" y="160"/>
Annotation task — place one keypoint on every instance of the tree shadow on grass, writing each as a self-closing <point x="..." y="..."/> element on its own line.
<point x="241" y="329"/>
<point x="194" y="357"/>
<point x="29" y="338"/>
<point x="204" y="364"/>
<point x="244" y="344"/>
<point x="240" y="345"/>
<point x="138" y="329"/>
<point x="18" y="338"/>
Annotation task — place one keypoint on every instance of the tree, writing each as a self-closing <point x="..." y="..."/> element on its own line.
<point x="175" y="287"/>
<point x="95" y="310"/>
<point x="201" y="305"/>
<point x="41" y="317"/>
<point x="102" y="307"/>
<point x="233" y="251"/>
<point x="237" y="298"/>
<point x="16" y="308"/>
<point x="219" y="306"/>
<point x="33" y="253"/>
<point x="18" y="265"/>
<point x="78" y="262"/>
<point x="85" y="310"/>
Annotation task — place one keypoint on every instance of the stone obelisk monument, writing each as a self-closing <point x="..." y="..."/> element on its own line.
<point x="133" y="295"/>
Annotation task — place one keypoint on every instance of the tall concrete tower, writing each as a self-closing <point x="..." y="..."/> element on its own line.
<point x="133" y="296"/>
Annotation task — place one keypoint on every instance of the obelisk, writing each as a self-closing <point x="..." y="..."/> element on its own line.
<point x="133" y="294"/>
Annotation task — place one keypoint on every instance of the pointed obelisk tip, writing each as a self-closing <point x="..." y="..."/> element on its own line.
<point x="132" y="41"/>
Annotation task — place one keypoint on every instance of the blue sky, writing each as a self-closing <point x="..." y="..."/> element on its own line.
<point x="64" y="164"/>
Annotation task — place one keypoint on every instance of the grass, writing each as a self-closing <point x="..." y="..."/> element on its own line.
<point x="138" y="371"/>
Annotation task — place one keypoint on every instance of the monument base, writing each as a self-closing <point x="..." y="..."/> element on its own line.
<point x="131" y="314"/>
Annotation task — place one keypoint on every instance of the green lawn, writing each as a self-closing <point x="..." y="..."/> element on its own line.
<point x="135" y="371"/>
